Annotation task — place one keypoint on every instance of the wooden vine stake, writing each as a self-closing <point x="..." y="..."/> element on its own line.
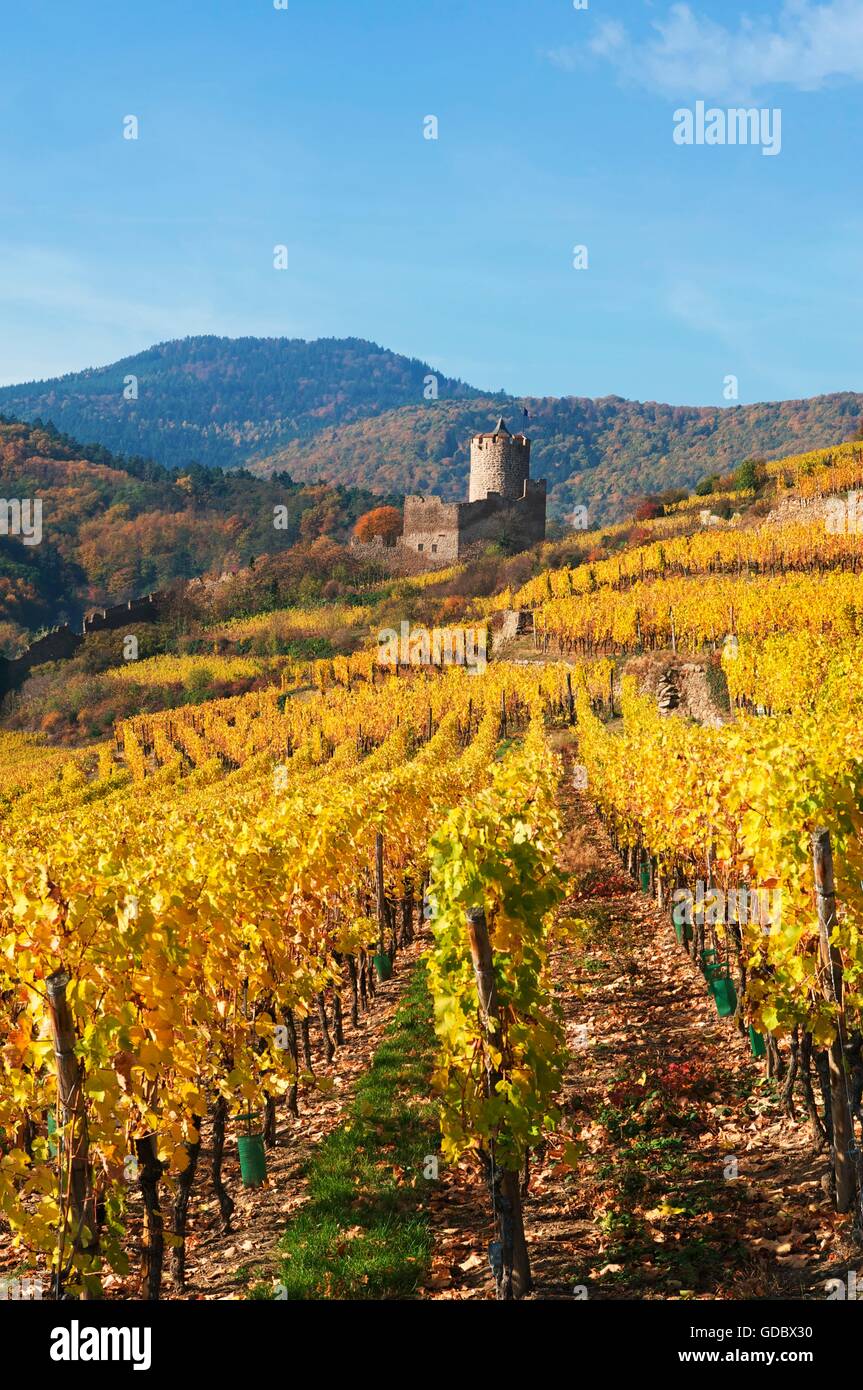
<point x="75" y="1149"/>
<point x="379" y="884"/>
<point x="570" y="698"/>
<point x="843" y="1132"/>
<point x="513" y="1279"/>
<point x="153" y="1245"/>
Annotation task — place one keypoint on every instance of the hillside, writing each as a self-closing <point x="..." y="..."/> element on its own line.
<point x="114" y="528"/>
<point x="255" y="820"/>
<point x="218" y="401"/>
<point x="600" y="452"/>
<point x="232" y="634"/>
<point x="350" y="412"/>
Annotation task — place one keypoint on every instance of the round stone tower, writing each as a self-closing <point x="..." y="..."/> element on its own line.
<point x="499" y="462"/>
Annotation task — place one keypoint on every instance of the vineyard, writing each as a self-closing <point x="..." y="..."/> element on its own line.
<point x="431" y="783"/>
<point x="747" y="832"/>
<point x="204" y="916"/>
<point x="170" y="956"/>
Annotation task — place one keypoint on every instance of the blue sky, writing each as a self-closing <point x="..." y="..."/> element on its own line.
<point x="305" y="127"/>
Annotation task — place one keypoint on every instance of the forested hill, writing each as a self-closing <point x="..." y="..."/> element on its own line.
<point x="599" y="452"/>
<point x="351" y="412"/>
<point x="114" y="528"/>
<point x="221" y="401"/>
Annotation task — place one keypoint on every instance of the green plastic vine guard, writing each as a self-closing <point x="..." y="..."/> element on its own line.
<point x="250" y="1150"/>
<point x="52" y="1129"/>
<point x="383" y="965"/>
<point x="756" y="1042"/>
<point x="682" y="930"/>
<point x="709" y="961"/>
<point x="724" y="994"/>
<point x="253" y="1160"/>
<point x="645" y="877"/>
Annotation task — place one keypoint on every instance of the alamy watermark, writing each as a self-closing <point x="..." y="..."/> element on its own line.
<point x="22" y="517"/>
<point x="715" y="906"/>
<point x="841" y="1289"/>
<point x="739" y="125"/>
<point x="844" y="515"/>
<point x="77" y="1343"/>
<point x="422" y="646"/>
<point x="26" y="1288"/>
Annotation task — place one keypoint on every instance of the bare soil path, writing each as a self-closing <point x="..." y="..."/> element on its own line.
<point x="691" y="1181"/>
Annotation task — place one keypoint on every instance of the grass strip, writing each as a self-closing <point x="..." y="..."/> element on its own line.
<point x="364" y="1233"/>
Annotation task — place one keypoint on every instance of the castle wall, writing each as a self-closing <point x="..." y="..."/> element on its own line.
<point x="56" y="645"/>
<point x="402" y="556"/>
<point x="429" y="539"/>
<point x="431" y="528"/>
<point x="62" y="642"/>
<point x="491" y="518"/>
<point x="438" y="533"/>
<point x="137" y="610"/>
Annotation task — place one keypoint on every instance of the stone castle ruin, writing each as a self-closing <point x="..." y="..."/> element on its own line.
<point x="504" y="504"/>
<point x="63" y="642"/>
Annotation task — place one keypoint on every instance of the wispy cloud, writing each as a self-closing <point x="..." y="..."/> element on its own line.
<point x="57" y="316"/>
<point x="689" y="302"/>
<point x="705" y="313"/>
<point x="806" y="46"/>
<point x="43" y="280"/>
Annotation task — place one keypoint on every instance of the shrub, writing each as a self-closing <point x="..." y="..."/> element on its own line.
<point x="199" y="685"/>
<point x="648" y="509"/>
<point x="749" y="475"/>
<point x="382" y="521"/>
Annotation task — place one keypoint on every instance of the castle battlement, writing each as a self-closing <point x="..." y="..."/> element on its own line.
<point x="499" y="462"/>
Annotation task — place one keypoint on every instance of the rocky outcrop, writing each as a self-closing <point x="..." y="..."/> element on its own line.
<point x="679" y="686"/>
<point x="667" y="692"/>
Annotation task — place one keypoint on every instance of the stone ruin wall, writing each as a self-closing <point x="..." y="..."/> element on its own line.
<point x="522" y="519"/>
<point x="438" y="533"/>
<point x="63" y="642"/>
